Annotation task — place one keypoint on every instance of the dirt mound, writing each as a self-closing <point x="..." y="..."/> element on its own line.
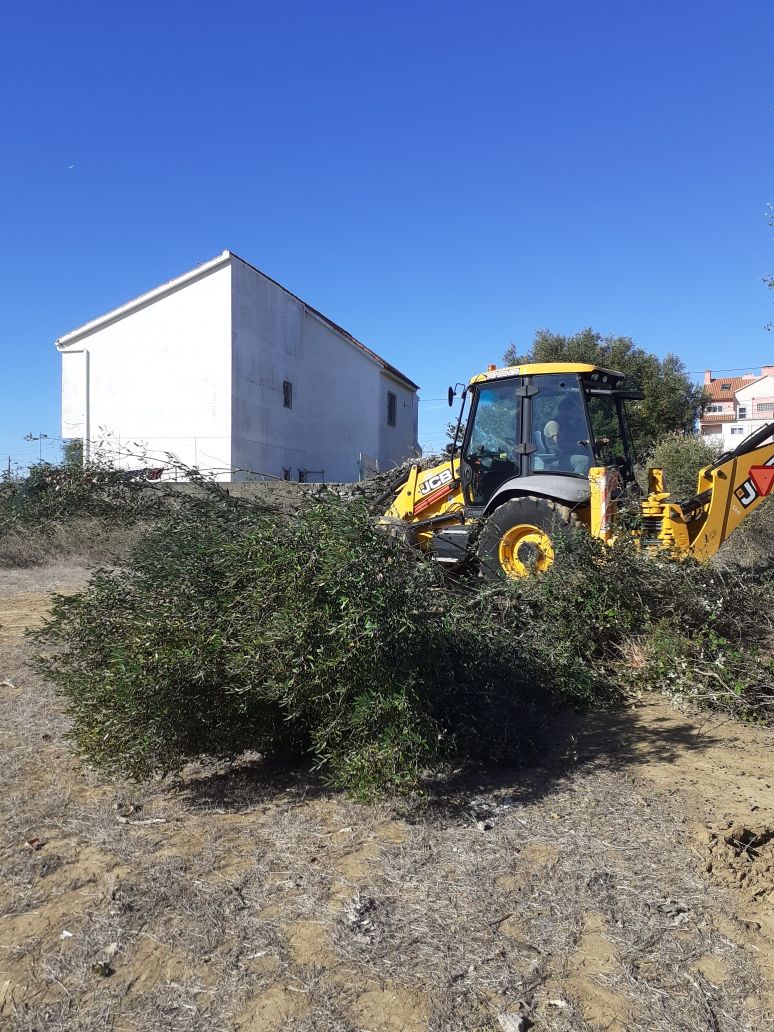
<point x="744" y="855"/>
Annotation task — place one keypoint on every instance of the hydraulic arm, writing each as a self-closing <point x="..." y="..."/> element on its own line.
<point x="728" y="490"/>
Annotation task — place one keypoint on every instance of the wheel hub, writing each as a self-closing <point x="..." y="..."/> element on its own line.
<point x="523" y="549"/>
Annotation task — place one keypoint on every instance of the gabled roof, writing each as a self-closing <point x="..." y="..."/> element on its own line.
<point x="724" y="388"/>
<point x="202" y="270"/>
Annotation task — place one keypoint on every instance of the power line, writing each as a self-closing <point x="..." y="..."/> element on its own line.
<point x="736" y="369"/>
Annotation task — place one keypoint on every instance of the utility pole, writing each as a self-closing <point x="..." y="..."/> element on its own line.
<point x="40" y="438"/>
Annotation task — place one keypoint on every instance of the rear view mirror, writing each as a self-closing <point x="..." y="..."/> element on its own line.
<point x="451" y="396"/>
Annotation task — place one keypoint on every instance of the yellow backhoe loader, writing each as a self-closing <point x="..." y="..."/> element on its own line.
<point x="547" y="447"/>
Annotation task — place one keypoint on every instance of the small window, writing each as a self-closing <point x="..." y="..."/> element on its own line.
<point x="725" y="386"/>
<point x="765" y="406"/>
<point x="287" y="394"/>
<point x="742" y="413"/>
<point x="392" y="408"/>
<point x="737" y="429"/>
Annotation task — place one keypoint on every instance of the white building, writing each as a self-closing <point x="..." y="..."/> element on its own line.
<point x="227" y="370"/>
<point x="738" y="406"/>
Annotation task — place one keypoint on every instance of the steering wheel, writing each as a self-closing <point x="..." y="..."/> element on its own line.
<point x="502" y="454"/>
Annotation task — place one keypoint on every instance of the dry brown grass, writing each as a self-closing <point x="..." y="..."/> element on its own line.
<point x="250" y="898"/>
<point x="84" y="540"/>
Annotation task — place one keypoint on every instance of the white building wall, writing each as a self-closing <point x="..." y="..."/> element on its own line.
<point x="341" y="389"/>
<point x="397" y="443"/>
<point x="266" y="342"/>
<point x="196" y="368"/>
<point x="339" y="400"/>
<point x="158" y="379"/>
<point x="752" y="405"/>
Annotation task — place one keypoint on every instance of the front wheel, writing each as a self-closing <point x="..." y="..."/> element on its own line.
<point x="518" y="538"/>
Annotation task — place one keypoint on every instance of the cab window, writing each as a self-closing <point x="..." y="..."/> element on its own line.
<point x="606" y="425"/>
<point x="559" y="429"/>
<point x="490" y="451"/>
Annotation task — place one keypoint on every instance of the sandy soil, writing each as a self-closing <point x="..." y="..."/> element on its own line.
<point x="624" y="883"/>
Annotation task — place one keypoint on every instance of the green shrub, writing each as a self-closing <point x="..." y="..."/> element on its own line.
<point x="681" y="456"/>
<point x="704" y="633"/>
<point x="80" y="540"/>
<point x="52" y="494"/>
<point x="712" y="670"/>
<point x="234" y="627"/>
<point x="752" y="543"/>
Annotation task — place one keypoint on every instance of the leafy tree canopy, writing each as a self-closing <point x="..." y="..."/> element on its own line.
<point x="672" y="401"/>
<point x="72" y="452"/>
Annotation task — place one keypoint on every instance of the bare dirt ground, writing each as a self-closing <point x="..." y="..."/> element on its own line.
<point x="626" y="882"/>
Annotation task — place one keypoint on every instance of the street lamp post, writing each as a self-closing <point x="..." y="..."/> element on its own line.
<point x="41" y="437"/>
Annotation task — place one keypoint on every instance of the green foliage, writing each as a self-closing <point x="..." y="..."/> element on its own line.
<point x="702" y="632"/>
<point x="752" y="543"/>
<point x="57" y="494"/>
<point x="72" y="452"/>
<point x="672" y="402"/>
<point x="681" y="456"/>
<point x="452" y="436"/>
<point x="234" y="627"/>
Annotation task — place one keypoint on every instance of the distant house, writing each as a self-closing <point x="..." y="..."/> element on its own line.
<point x="738" y="405"/>
<point x="231" y="372"/>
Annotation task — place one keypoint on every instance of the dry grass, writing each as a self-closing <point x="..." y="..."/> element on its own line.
<point x="752" y="543"/>
<point x="250" y="898"/>
<point x="84" y="540"/>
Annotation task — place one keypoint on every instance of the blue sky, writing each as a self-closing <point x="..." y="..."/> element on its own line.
<point x="439" y="178"/>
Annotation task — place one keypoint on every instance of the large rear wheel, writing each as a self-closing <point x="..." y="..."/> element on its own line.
<point x="518" y="538"/>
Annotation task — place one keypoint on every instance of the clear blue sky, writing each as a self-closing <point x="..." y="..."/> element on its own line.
<point x="439" y="178"/>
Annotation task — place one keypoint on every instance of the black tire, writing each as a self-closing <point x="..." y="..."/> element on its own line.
<point x="518" y="537"/>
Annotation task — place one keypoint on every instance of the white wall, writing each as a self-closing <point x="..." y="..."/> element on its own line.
<point x="341" y="387"/>
<point x="159" y="378"/>
<point x="197" y="369"/>
<point x="397" y="443"/>
<point x="266" y="340"/>
<point x="339" y="392"/>
<point x="75" y="393"/>
<point x="749" y="398"/>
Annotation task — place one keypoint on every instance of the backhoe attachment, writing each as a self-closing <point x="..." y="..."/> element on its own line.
<point x="728" y="491"/>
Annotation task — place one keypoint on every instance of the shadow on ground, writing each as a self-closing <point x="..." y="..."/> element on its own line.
<point x="621" y="738"/>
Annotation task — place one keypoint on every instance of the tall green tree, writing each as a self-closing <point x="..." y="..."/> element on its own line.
<point x="672" y="401"/>
<point x="72" y="452"/>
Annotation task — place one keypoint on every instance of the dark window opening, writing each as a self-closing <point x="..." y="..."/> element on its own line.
<point x="392" y="408"/>
<point x="287" y="394"/>
<point x="286" y="472"/>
